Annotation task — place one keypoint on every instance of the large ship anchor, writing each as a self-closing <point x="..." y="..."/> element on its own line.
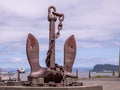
<point x="54" y="72"/>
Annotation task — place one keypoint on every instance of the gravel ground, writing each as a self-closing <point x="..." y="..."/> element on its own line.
<point x="106" y="83"/>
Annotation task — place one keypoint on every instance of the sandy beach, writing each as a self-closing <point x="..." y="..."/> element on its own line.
<point x="106" y="83"/>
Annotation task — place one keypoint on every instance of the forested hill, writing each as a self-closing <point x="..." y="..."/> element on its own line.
<point x="105" y="68"/>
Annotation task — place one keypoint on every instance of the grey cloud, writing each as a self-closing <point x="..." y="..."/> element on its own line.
<point x="95" y="24"/>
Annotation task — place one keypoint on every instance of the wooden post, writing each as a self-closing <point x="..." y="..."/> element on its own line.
<point x="113" y="73"/>
<point x="119" y="64"/>
<point x="77" y="74"/>
<point x="89" y="73"/>
<point x="18" y="78"/>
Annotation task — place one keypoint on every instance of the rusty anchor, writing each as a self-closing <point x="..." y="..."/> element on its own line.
<point x="53" y="72"/>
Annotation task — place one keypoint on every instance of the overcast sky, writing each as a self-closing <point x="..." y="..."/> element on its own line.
<point x="95" y="24"/>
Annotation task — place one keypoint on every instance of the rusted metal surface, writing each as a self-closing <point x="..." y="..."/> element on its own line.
<point x="54" y="73"/>
<point x="69" y="55"/>
<point x="32" y="50"/>
<point x="52" y="17"/>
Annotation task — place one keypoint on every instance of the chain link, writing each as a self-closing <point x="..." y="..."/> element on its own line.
<point x="50" y="14"/>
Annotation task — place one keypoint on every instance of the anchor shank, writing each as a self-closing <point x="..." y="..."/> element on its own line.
<point x="51" y="35"/>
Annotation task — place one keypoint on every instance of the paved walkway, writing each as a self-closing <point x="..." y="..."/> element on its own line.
<point x="106" y="83"/>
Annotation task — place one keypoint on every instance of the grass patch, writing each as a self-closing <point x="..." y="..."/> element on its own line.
<point x="98" y="76"/>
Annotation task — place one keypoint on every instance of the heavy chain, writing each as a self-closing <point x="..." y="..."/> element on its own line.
<point x="52" y="15"/>
<point x="60" y="25"/>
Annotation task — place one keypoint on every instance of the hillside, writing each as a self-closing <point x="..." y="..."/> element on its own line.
<point x="105" y="68"/>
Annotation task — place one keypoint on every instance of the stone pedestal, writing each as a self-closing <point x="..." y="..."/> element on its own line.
<point x="51" y="88"/>
<point x="3" y="84"/>
<point x="37" y="80"/>
<point x="69" y="80"/>
<point x="13" y="83"/>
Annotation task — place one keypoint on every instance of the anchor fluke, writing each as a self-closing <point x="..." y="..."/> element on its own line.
<point x="32" y="50"/>
<point x="69" y="55"/>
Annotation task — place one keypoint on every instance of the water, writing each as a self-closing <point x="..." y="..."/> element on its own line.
<point x="93" y="74"/>
<point x="82" y="73"/>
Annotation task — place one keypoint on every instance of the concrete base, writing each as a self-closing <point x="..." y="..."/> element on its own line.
<point x="51" y="88"/>
<point x="3" y="84"/>
<point x="13" y="83"/>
